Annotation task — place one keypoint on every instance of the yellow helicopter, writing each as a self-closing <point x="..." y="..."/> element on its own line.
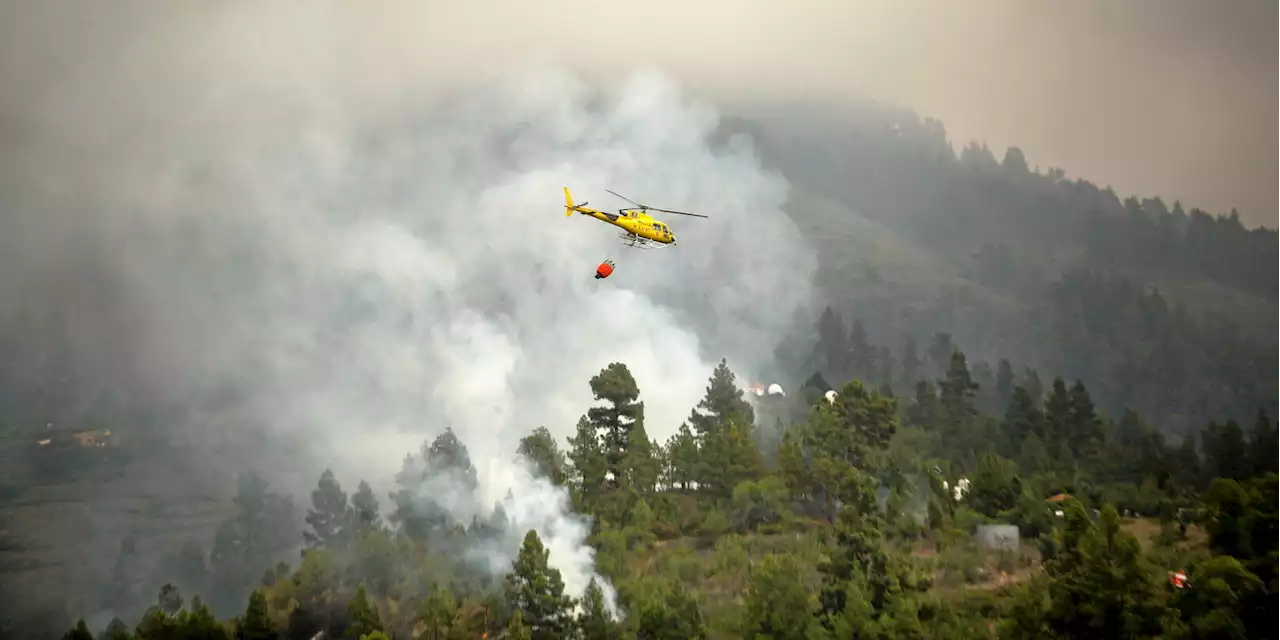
<point x="639" y="229"/>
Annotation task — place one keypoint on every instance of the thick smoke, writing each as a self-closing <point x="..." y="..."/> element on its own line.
<point x="355" y="277"/>
<point x="535" y="503"/>
<point x="418" y="272"/>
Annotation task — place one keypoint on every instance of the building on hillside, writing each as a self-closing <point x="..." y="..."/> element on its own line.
<point x="998" y="537"/>
<point x="1057" y="500"/>
<point x="92" y="438"/>
<point x="96" y="438"/>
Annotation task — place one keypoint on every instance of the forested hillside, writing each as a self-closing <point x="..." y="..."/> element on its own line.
<point x="859" y="522"/>
<point x="1164" y="309"/>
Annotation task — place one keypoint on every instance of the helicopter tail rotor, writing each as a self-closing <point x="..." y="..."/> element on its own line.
<point x="569" y="206"/>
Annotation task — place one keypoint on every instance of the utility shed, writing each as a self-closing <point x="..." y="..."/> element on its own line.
<point x="994" y="537"/>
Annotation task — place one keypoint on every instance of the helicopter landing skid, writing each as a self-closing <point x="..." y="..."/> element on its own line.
<point x="632" y="240"/>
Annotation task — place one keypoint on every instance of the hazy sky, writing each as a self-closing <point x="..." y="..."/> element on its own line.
<point x="1170" y="97"/>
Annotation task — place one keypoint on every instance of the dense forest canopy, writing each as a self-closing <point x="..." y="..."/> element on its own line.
<point x="1006" y="346"/>
<point x="1165" y="309"/>
<point x="842" y="523"/>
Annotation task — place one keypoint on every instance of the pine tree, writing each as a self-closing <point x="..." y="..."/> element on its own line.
<point x="1225" y="601"/>
<point x="438" y="614"/>
<point x="726" y="458"/>
<point x="831" y="353"/>
<point x="264" y="524"/>
<point x="362" y="616"/>
<point x="844" y="437"/>
<point x="1004" y="383"/>
<point x="444" y="464"/>
<point x="125" y="591"/>
<point x="778" y="604"/>
<point x="364" y="509"/>
<point x="985" y="400"/>
<point x="856" y="571"/>
<point x="956" y="392"/>
<point x="615" y="385"/>
<point x="1129" y="456"/>
<point x="116" y="630"/>
<point x="541" y="451"/>
<point x="925" y="411"/>
<point x="1264" y="445"/>
<point x="156" y="625"/>
<point x="641" y="464"/>
<point x="1085" y="425"/>
<point x="682" y="457"/>
<point x="1022" y="419"/>
<point x="940" y="351"/>
<point x="885" y="371"/>
<point x="1095" y="585"/>
<point x="675" y="616"/>
<point x="1187" y="462"/>
<point x="594" y="622"/>
<point x="329" y="519"/>
<point x="1225" y="451"/>
<point x="589" y="464"/>
<point x="792" y="464"/>
<point x="1033" y="385"/>
<point x="812" y="390"/>
<point x="408" y="480"/>
<point x="866" y="422"/>
<point x="723" y="403"/>
<point x="449" y="457"/>
<point x="1033" y="457"/>
<point x="537" y="590"/>
<point x="886" y="390"/>
<point x="516" y="629"/>
<point x="79" y="632"/>
<point x="862" y="356"/>
<point x="910" y="364"/>
<point x="994" y="486"/>
<point x="1057" y="416"/>
<point x="256" y="624"/>
<point x="200" y="623"/>
<point x="170" y="600"/>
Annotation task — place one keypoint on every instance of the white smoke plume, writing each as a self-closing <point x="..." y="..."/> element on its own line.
<point x="535" y="503"/>
<point x="362" y="268"/>
<point x="485" y="316"/>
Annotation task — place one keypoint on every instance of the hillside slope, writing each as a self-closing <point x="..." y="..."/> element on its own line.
<point x="870" y="272"/>
<point x="1169" y="312"/>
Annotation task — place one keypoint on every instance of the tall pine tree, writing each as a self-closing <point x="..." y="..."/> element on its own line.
<point x="536" y="590"/>
<point x="589" y="464"/>
<point x="615" y="385"/>
<point x="722" y="403"/>
<point x="910" y="364"/>
<point x="541" y="451"/>
<point x="328" y="520"/>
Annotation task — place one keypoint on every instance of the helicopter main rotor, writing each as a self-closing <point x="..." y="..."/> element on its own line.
<point x="643" y="207"/>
